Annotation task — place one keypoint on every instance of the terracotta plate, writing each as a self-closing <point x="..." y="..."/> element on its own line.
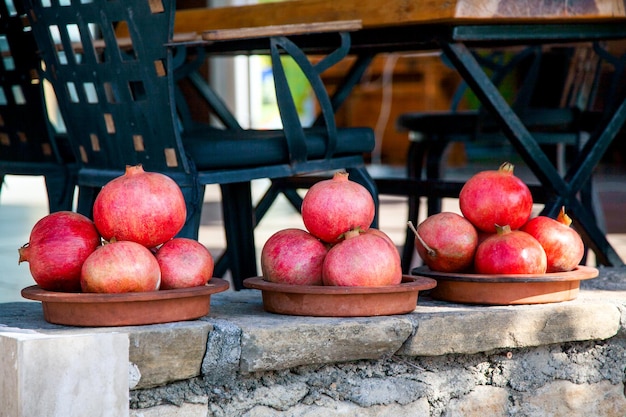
<point x="128" y="309"/>
<point x="327" y="301"/>
<point x="507" y="289"/>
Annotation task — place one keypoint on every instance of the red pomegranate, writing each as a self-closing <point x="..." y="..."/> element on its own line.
<point x="332" y="207"/>
<point x="362" y="259"/>
<point x="58" y="245"/>
<point x="392" y="247"/>
<point x="184" y="263"/>
<point x="446" y="242"/>
<point x="563" y="245"/>
<point x="293" y="256"/>
<point x="120" y="267"/>
<point x="143" y="207"/>
<point x="496" y="197"/>
<point x="385" y="236"/>
<point x="510" y="252"/>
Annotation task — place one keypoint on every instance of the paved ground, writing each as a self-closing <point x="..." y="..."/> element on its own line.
<point x="22" y="203"/>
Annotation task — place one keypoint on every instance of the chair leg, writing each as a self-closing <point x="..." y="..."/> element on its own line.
<point x="291" y="194"/>
<point x="361" y="176"/>
<point x="415" y="158"/>
<point x="86" y="198"/>
<point x="433" y="170"/>
<point x="224" y="261"/>
<point x="591" y="201"/>
<point x="409" y="239"/>
<point x="239" y="225"/>
<point x="221" y="265"/>
<point x="267" y="200"/>
<point x="194" y="199"/>
<point x="60" y="189"/>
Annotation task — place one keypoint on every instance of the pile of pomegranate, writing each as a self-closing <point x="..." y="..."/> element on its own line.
<point x="338" y="246"/>
<point x="130" y="246"/>
<point x="495" y="233"/>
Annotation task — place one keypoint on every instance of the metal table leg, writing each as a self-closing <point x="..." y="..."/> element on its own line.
<point x="565" y="189"/>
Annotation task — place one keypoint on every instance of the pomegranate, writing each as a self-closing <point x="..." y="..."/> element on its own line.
<point x="293" y="256"/>
<point x="332" y="207"/>
<point x="120" y="267"/>
<point x="510" y="252"/>
<point x="143" y="207"/>
<point x="184" y="263"/>
<point x="446" y="242"/>
<point x="385" y="236"/>
<point x="483" y="235"/>
<point x="496" y="197"/>
<point x="58" y="245"/>
<point x="362" y="259"/>
<point x="563" y="245"/>
<point x="392" y="246"/>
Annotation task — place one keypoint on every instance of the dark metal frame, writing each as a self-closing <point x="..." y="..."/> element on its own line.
<point x="128" y="125"/>
<point x="455" y="42"/>
<point x="29" y="144"/>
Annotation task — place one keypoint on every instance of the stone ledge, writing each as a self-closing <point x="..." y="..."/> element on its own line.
<point x="241" y="337"/>
<point x="273" y="342"/>
<point x="449" y="328"/>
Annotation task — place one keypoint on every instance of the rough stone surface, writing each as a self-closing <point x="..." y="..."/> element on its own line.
<point x="477" y="329"/>
<point x="223" y="353"/>
<point x="343" y="409"/>
<point x="328" y="341"/>
<point x="179" y="345"/>
<point x="556" y="399"/>
<point x="273" y="341"/>
<point x="609" y="279"/>
<point x="567" y="399"/>
<point x="185" y="410"/>
<point x="517" y="382"/>
<point x="482" y="401"/>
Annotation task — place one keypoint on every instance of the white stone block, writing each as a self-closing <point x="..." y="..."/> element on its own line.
<point x="44" y="375"/>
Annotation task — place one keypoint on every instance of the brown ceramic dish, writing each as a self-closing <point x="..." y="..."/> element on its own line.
<point x="507" y="289"/>
<point x="128" y="309"/>
<point x="327" y="301"/>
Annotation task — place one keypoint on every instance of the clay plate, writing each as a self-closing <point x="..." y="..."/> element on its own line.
<point x="128" y="309"/>
<point x="330" y="301"/>
<point x="507" y="289"/>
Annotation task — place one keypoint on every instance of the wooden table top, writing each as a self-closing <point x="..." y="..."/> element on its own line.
<point x="374" y="14"/>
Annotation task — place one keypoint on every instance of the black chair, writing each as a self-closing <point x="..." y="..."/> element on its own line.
<point x="121" y="103"/>
<point x="29" y="145"/>
<point x="545" y="106"/>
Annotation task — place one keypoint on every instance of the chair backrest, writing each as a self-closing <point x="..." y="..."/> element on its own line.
<point x="115" y="94"/>
<point x="25" y="134"/>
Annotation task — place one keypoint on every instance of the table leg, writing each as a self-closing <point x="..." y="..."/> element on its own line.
<point x="566" y="189"/>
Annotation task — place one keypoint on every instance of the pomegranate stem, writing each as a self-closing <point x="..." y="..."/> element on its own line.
<point x="431" y="251"/>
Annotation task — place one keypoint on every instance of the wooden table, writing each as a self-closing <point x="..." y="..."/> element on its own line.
<point x="453" y="27"/>
<point x="393" y="13"/>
